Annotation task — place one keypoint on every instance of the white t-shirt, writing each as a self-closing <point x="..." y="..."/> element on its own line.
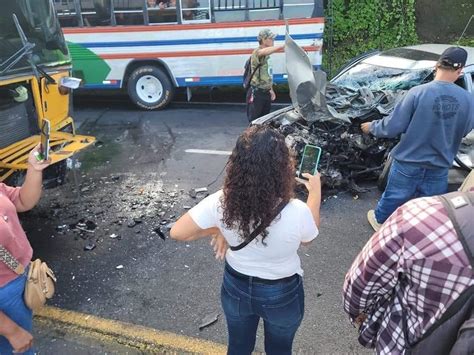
<point x="275" y="260"/>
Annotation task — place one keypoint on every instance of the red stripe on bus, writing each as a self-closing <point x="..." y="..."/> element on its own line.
<point x="152" y="55"/>
<point x="197" y="26"/>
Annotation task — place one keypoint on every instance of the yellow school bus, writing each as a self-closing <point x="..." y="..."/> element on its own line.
<point x="35" y="85"/>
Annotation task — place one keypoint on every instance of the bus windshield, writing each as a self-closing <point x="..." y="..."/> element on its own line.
<point x="38" y="20"/>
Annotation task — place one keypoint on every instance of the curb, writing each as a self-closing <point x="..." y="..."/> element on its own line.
<point x="127" y="334"/>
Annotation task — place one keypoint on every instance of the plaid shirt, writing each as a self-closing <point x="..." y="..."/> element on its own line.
<point x="419" y="242"/>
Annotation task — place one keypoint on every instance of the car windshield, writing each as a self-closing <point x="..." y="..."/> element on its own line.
<point x="377" y="77"/>
<point x="38" y="20"/>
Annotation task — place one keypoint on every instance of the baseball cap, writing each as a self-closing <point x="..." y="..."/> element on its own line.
<point x="266" y="33"/>
<point x="454" y="57"/>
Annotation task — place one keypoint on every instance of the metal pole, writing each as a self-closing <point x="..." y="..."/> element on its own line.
<point x="77" y="7"/>
<point x="113" y="21"/>
<point x="146" y="18"/>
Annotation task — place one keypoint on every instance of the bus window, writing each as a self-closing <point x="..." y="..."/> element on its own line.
<point x="128" y="12"/>
<point x="195" y="11"/>
<point x="229" y="10"/>
<point x="298" y="8"/>
<point x="161" y="11"/>
<point x="264" y="10"/>
<point x="96" y="12"/>
<point x="66" y="12"/>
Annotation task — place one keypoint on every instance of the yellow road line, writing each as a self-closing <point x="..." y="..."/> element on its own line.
<point x="127" y="334"/>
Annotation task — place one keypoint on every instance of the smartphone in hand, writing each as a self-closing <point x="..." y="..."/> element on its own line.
<point x="309" y="160"/>
<point x="45" y="131"/>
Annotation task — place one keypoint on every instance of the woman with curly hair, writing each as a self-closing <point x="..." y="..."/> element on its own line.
<point x="262" y="275"/>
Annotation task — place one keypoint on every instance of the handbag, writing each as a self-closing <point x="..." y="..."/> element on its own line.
<point x="260" y="227"/>
<point x="40" y="282"/>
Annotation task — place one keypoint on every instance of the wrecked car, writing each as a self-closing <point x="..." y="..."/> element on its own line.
<point x="329" y="115"/>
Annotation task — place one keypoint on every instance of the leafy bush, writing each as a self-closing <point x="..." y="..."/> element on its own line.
<point x="359" y="26"/>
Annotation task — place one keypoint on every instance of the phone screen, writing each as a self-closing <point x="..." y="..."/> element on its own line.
<point x="45" y="129"/>
<point x="309" y="160"/>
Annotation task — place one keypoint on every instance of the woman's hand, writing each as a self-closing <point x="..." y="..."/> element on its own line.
<point x="34" y="163"/>
<point x="220" y="245"/>
<point x="30" y="191"/>
<point x="313" y="184"/>
<point x="20" y="340"/>
<point x="360" y="319"/>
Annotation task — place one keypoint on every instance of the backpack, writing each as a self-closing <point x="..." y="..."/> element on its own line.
<point x="248" y="73"/>
<point x="453" y="333"/>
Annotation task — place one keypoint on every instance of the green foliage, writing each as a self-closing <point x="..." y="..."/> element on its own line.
<point x="359" y="26"/>
<point x="466" y="41"/>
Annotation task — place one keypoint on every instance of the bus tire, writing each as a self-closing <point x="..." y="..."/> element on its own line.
<point x="150" y="88"/>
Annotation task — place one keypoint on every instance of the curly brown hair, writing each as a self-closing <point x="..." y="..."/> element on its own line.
<point x="259" y="175"/>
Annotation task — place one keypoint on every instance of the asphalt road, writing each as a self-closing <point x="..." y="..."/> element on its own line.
<point x="131" y="186"/>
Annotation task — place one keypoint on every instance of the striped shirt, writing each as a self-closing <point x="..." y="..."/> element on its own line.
<point x="419" y="242"/>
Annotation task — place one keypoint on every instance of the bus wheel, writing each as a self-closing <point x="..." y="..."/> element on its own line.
<point x="150" y="88"/>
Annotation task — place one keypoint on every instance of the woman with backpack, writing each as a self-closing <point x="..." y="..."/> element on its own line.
<point x="257" y="216"/>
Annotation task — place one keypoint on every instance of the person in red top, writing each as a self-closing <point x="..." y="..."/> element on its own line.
<point x="15" y="318"/>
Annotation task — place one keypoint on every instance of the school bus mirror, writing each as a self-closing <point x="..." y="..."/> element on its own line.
<point x="69" y="82"/>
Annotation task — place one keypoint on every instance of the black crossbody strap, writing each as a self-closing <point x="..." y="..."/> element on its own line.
<point x="261" y="227"/>
<point x="460" y="209"/>
<point x="254" y="71"/>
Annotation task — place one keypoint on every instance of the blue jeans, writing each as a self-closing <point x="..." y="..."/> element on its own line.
<point x="247" y="299"/>
<point x="407" y="181"/>
<point x="13" y="306"/>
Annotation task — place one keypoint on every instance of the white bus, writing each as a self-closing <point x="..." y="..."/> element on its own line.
<point x="152" y="47"/>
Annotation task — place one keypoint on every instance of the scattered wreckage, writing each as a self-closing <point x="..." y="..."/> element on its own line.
<point x="329" y="115"/>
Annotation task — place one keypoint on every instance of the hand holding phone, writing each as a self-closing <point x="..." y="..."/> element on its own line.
<point x="45" y="131"/>
<point x="309" y="161"/>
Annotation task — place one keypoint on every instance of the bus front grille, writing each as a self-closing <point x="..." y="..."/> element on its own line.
<point x="15" y="123"/>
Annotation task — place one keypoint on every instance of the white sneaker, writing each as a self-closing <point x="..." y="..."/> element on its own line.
<point x="373" y="221"/>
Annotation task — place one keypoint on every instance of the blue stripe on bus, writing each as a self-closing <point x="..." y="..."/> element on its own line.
<point x="101" y="86"/>
<point x="192" y="41"/>
<point x="203" y="81"/>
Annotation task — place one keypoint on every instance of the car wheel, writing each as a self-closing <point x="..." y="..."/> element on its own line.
<point x="383" y="177"/>
<point x="150" y="88"/>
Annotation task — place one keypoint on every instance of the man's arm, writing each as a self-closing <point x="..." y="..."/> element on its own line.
<point x="395" y="123"/>
<point x="374" y="271"/>
<point x="262" y="52"/>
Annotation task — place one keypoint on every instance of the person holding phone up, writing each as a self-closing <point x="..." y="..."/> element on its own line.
<point x="16" y="320"/>
<point x="256" y="214"/>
